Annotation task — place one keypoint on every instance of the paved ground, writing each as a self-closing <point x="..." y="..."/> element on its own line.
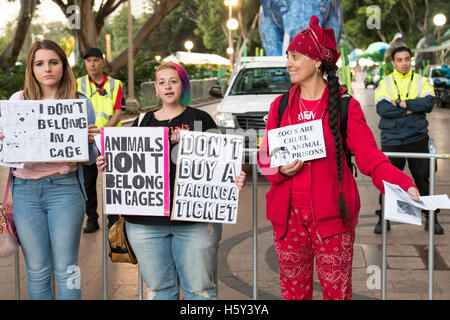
<point x="407" y="274"/>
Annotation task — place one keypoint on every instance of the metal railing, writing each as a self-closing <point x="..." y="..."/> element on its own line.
<point x="253" y="157"/>
<point x="431" y="218"/>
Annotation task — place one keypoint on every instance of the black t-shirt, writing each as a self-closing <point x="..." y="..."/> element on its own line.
<point x="190" y="119"/>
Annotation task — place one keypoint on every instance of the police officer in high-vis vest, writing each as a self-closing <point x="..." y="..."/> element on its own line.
<point x="107" y="98"/>
<point x="402" y="100"/>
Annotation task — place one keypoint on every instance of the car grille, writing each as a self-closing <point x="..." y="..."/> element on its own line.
<point x="251" y="120"/>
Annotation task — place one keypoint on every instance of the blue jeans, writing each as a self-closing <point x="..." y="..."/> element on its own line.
<point x="177" y="255"/>
<point x="49" y="214"/>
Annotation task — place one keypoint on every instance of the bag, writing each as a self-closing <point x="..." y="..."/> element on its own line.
<point x="121" y="250"/>
<point x="343" y="115"/>
<point x="9" y="242"/>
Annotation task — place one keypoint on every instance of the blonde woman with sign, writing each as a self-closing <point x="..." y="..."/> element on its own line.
<point x="49" y="197"/>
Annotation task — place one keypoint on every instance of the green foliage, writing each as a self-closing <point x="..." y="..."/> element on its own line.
<point x="12" y="80"/>
<point x="3" y="42"/>
<point x="79" y="69"/>
<point x="211" y="23"/>
<point x="212" y="15"/>
<point x="175" y="30"/>
<point x="394" y="18"/>
<point x="144" y="70"/>
<point x="118" y="29"/>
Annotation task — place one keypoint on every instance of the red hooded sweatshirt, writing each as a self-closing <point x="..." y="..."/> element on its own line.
<point x="324" y="183"/>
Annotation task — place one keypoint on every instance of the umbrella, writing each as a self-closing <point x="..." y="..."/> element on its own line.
<point x="375" y="51"/>
<point x="354" y="54"/>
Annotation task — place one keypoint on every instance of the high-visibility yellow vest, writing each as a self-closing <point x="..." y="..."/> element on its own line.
<point x="103" y="104"/>
<point x="410" y="85"/>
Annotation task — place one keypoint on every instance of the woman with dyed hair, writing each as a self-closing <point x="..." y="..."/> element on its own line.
<point x="175" y="254"/>
<point x="314" y="205"/>
<point x="49" y="197"/>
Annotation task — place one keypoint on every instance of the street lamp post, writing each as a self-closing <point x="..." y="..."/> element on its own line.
<point x="232" y="24"/>
<point x="439" y="20"/>
<point x="189" y="45"/>
<point x="131" y="102"/>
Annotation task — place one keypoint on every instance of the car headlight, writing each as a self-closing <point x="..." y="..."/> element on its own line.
<point x="225" y="120"/>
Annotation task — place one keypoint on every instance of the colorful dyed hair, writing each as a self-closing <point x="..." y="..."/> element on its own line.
<point x="185" y="83"/>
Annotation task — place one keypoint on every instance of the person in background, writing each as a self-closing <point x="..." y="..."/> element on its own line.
<point x="49" y="197"/>
<point x="175" y="254"/>
<point x="402" y="100"/>
<point x="314" y="205"/>
<point x="107" y="97"/>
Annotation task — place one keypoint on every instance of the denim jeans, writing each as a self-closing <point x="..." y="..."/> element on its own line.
<point x="173" y="256"/>
<point x="49" y="214"/>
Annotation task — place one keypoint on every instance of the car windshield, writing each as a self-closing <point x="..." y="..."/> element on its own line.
<point x="261" y="81"/>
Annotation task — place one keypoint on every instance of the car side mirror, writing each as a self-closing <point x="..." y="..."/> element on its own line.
<point x="216" y="91"/>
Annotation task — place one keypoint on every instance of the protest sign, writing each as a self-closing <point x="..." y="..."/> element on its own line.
<point x="302" y="141"/>
<point x="136" y="177"/>
<point x="207" y="166"/>
<point x="45" y="130"/>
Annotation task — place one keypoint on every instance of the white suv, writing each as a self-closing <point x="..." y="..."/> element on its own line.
<point x="254" y="84"/>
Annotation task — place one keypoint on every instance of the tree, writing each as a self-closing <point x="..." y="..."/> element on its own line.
<point x="211" y="25"/>
<point x="10" y="53"/>
<point x="118" y="29"/>
<point x="180" y="25"/>
<point x="395" y="16"/>
<point x="248" y="16"/>
<point x="92" y="22"/>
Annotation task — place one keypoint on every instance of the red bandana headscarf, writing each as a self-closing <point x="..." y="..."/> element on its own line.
<point x="316" y="42"/>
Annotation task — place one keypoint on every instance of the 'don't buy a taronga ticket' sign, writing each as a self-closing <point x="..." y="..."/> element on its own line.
<point x="207" y="166"/>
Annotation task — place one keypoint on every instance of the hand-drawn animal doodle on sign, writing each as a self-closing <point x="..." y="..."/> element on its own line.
<point x="281" y="20"/>
<point x="21" y="126"/>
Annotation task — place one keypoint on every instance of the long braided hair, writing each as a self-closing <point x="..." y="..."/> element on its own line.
<point x="333" y="121"/>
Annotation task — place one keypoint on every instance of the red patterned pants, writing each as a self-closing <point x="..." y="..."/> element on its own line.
<point x="296" y="252"/>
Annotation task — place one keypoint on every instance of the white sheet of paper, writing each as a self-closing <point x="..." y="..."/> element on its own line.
<point x="302" y="141"/>
<point x="440" y="201"/>
<point x="400" y="207"/>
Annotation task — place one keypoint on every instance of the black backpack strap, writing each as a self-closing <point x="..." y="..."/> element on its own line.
<point x="343" y="116"/>
<point x="283" y="106"/>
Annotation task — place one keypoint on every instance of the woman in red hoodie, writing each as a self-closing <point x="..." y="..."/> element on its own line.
<point x="314" y="205"/>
